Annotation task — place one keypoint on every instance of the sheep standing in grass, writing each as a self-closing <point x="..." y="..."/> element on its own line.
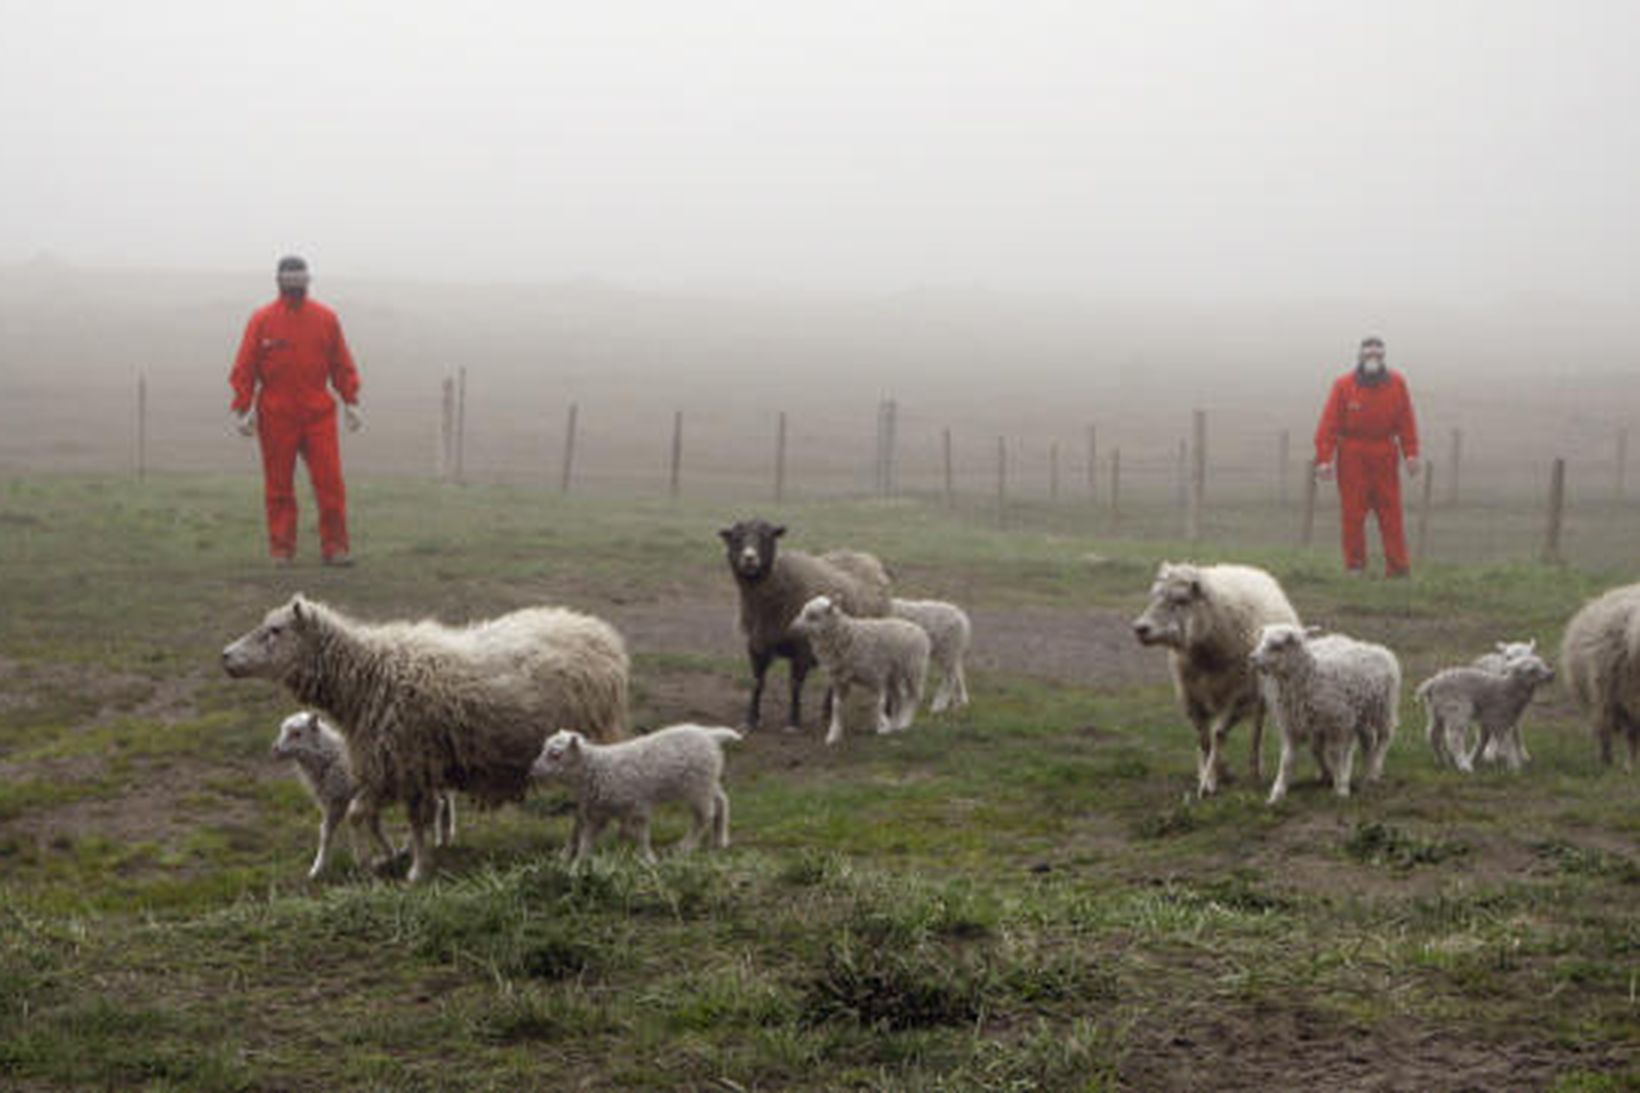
<point x="1209" y="619"/>
<point x="1456" y="698"/>
<point x="774" y="585"/>
<point x="949" y="633"/>
<point x="320" y="756"/>
<point x="1600" y="661"/>
<point x="426" y="709"/>
<point x="1498" y="661"/>
<point x="887" y="656"/>
<point x="1333" y="692"/>
<point x="625" y="781"/>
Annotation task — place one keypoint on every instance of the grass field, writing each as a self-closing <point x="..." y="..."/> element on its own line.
<point x="1020" y="896"/>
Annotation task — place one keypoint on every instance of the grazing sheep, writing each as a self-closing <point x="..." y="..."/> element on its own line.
<point x="625" y="781"/>
<point x="320" y="756"/>
<point x="888" y="656"/>
<point x="426" y="708"/>
<point x="774" y="585"/>
<point x="1497" y="661"/>
<point x="1456" y="698"/>
<point x="1334" y="692"/>
<point x="949" y="632"/>
<point x="1209" y="619"/>
<point x="1600" y="661"/>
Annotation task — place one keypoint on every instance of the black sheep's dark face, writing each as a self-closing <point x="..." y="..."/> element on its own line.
<point x="750" y="545"/>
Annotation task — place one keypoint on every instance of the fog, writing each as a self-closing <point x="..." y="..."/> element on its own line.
<point x="1016" y="217"/>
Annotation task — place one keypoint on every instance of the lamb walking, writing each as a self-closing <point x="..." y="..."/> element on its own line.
<point x="1456" y="698"/>
<point x="888" y="657"/>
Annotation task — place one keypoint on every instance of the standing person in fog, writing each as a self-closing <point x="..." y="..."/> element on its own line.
<point x="1367" y="428"/>
<point x="292" y="355"/>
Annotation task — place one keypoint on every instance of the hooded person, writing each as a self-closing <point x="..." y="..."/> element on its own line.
<point x="292" y="356"/>
<point x="1367" y="428"/>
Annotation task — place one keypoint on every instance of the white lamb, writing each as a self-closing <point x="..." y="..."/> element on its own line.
<point x="320" y="755"/>
<point x="887" y="656"/>
<point x="1456" y="698"/>
<point x="625" y="781"/>
<point x="949" y="633"/>
<point x="1334" y="692"/>
<point x="1498" y="661"/>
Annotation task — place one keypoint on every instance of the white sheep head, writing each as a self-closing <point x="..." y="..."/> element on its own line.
<point x="1175" y="597"/>
<point x="272" y="650"/>
<point x="818" y="614"/>
<point x="1516" y="650"/>
<point x="299" y="734"/>
<point x="560" y="756"/>
<point x="1281" y="647"/>
<point x="1529" y="667"/>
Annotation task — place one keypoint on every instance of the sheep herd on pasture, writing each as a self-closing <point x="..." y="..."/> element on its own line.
<point x="413" y="714"/>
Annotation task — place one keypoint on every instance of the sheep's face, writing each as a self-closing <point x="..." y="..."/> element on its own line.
<point x="816" y="615"/>
<point x="1517" y="650"/>
<point x="1279" y="645"/>
<point x="1532" y="669"/>
<point x="1175" y="597"/>
<point x="560" y="755"/>
<point x="299" y="734"/>
<point x="271" y="650"/>
<point x="750" y="545"/>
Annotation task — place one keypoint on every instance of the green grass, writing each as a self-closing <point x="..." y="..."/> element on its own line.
<point x="1019" y="896"/>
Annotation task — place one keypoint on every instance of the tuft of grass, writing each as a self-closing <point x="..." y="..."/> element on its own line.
<point x="1378" y="843"/>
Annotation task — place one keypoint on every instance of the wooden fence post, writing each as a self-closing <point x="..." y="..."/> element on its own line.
<point x="888" y="447"/>
<point x="568" y="465"/>
<point x="1198" y="476"/>
<point x="950" y="492"/>
<point x="677" y="454"/>
<point x="461" y="425"/>
<point x="1423" y="511"/>
<point x="1310" y="486"/>
<point x="1181" y="477"/>
<point x="447" y="429"/>
<point x="1002" y="482"/>
<point x="1452" y="468"/>
<point x="1283" y="464"/>
<point x="1557" y="506"/>
<point x="142" y="426"/>
<point x="1115" y="488"/>
<point x="780" y="459"/>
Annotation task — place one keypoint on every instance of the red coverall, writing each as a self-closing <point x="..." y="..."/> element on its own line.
<point x="291" y="350"/>
<point x="1360" y="425"/>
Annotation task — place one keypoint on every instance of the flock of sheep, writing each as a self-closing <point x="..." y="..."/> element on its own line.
<point x="415" y="713"/>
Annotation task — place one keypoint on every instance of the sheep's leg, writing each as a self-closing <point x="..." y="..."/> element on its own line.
<point x="761" y="660"/>
<point x="585" y="836"/>
<point x="720" y="818"/>
<point x="799" y="674"/>
<point x="1213" y="761"/>
<point x="333" y="815"/>
<point x="1343" y="758"/>
<point x="373" y="823"/>
<point x="944" y="692"/>
<point x="445" y="833"/>
<point x="838" y="701"/>
<point x="701" y="808"/>
<point x="1376" y="753"/>
<point x="423" y="817"/>
<point x="572" y="848"/>
<point x="913" y="686"/>
<point x="636" y="827"/>
<point x="1435" y="733"/>
<point x="884" y="725"/>
<point x="1284" y="770"/>
<point x="962" y="685"/>
<point x="1255" y="756"/>
<point x="1458" y="744"/>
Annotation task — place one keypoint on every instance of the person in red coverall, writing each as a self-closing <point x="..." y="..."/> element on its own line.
<point x="1367" y="428"/>
<point x="292" y="353"/>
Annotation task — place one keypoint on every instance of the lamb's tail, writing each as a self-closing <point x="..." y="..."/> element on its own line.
<point x="725" y="736"/>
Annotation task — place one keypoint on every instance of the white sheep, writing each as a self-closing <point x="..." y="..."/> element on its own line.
<point x="774" y="585"/>
<point x="887" y="656"/>
<point x="625" y="781"/>
<point x="1456" y="698"/>
<point x="1334" y="692"/>
<point x="1209" y="619"/>
<point x="320" y="757"/>
<point x="1600" y="663"/>
<point x="426" y="709"/>
<point x="949" y="633"/>
<point x="1497" y="661"/>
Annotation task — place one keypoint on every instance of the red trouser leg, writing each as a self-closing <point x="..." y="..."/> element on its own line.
<point x="1384" y="474"/>
<point x="324" y="462"/>
<point x="1352" y="506"/>
<point x="280" y="437"/>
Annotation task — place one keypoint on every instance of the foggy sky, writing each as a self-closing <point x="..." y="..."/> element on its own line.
<point x="1214" y="150"/>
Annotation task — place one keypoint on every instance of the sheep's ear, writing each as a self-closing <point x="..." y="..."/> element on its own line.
<point x="726" y="534"/>
<point x="299" y="609"/>
<point x="313" y="721"/>
<point x="777" y="531"/>
<point x="1195" y="588"/>
<point x="574" y="746"/>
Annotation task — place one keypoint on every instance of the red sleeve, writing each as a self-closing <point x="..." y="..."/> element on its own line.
<point x="246" y="366"/>
<point x="1407" y="427"/>
<point x="1326" y="433"/>
<point x="343" y="376"/>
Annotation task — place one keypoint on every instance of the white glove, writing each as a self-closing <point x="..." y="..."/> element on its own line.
<point x="1324" y="472"/>
<point x="244" y="424"/>
<point x="1413" y="466"/>
<point x="355" y="417"/>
